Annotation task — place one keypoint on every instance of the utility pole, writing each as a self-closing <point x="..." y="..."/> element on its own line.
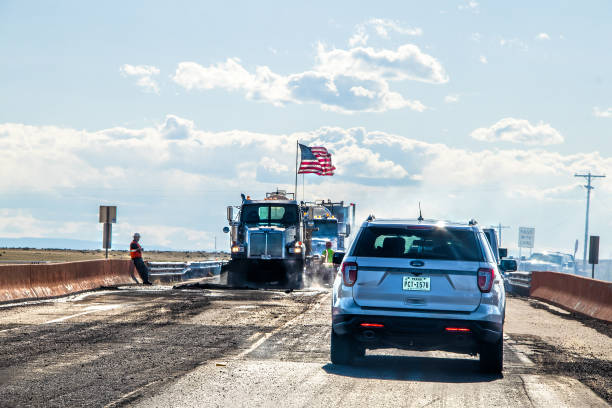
<point x="589" y="187"/>
<point x="499" y="231"/>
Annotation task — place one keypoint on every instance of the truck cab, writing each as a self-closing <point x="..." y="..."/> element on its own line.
<point x="266" y="241"/>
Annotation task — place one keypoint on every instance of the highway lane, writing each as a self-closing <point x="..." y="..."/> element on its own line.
<point x="163" y="347"/>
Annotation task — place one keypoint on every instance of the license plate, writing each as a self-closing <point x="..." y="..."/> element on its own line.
<point x="416" y="283"/>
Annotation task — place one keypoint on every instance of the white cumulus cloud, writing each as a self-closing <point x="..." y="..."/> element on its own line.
<point x="345" y="81"/>
<point x="186" y="175"/>
<point x="408" y="62"/>
<point x="602" y="113"/>
<point x="144" y="76"/>
<point x="483" y="59"/>
<point x="519" y="131"/>
<point x="382" y="28"/>
<point x="542" y="37"/>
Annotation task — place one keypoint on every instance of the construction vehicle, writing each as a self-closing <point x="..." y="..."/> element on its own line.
<point x="266" y="241"/>
<point x="325" y="221"/>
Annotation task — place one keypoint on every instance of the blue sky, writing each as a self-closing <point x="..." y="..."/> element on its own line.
<point x="476" y="109"/>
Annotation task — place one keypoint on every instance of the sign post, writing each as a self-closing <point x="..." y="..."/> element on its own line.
<point x="593" y="253"/>
<point x="526" y="238"/>
<point x="108" y="216"/>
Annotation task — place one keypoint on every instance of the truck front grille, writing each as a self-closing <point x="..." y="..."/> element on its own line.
<point x="267" y="244"/>
<point x="257" y="246"/>
<point x="275" y="245"/>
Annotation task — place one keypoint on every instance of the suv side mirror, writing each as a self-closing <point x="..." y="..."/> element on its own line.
<point x="226" y="229"/>
<point x="337" y="258"/>
<point x="503" y="253"/>
<point x="230" y="213"/>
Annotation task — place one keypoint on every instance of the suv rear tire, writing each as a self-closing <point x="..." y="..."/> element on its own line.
<point x="492" y="357"/>
<point x="342" y="349"/>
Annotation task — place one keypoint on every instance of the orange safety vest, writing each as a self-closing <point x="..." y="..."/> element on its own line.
<point x="135" y="250"/>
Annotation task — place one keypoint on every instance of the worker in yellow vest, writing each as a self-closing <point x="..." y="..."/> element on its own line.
<point x="328" y="253"/>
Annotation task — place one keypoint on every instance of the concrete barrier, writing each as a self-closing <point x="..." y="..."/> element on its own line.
<point x="587" y="296"/>
<point x="20" y="282"/>
<point x="15" y="282"/>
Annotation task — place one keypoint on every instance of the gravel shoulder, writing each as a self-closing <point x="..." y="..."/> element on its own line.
<point x="562" y="342"/>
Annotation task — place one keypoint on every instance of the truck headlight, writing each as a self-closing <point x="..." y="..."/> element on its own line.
<point x="237" y="248"/>
<point x="296" y="248"/>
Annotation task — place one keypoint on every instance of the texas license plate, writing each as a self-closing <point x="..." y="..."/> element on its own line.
<point x="416" y="283"/>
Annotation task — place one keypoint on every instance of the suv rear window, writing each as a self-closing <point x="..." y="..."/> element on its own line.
<point x="452" y="244"/>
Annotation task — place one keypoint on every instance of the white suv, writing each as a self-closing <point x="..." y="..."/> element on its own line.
<point x="419" y="285"/>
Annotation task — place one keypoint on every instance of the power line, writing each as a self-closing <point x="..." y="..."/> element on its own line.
<point x="589" y="187"/>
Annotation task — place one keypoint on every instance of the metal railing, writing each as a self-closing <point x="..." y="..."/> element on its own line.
<point x="159" y="268"/>
<point x="179" y="271"/>
<point x="518" y="282"/>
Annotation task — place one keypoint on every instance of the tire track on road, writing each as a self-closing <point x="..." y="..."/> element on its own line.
<point x="311" y="308"/>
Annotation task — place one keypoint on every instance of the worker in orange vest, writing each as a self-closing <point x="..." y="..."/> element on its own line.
<point x="136" y="255"/>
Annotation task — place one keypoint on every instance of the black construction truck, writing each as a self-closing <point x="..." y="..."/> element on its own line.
<point x="266" y="242"/>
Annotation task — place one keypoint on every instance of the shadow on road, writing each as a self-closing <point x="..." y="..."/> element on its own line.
<point x="409" y="368"/>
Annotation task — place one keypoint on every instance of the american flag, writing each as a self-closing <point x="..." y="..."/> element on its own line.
<point x="316" y="160"/>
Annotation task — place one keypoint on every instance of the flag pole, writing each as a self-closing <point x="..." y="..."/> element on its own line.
<point x="297" y="146"/>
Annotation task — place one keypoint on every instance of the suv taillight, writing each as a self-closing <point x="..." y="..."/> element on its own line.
<point x="485" y="279"/>
<point x="349" y="273"/>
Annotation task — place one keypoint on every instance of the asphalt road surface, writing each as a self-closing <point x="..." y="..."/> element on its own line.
<point x="223" y="348"/>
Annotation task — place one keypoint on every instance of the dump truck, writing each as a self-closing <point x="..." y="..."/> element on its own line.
<point x="266" y="239"/>
<point x="325" y="221"/>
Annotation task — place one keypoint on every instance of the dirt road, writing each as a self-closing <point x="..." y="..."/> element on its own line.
<point x="164" y="347"/>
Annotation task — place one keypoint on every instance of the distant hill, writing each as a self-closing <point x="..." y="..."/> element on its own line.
<point x="65" y="243"/>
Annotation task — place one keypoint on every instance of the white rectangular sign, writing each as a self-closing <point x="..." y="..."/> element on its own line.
<point x="526" y="237"/>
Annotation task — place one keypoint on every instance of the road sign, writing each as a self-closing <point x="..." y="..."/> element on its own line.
<point x="593" y="253"/>
<point x="594" y="249"/>
<point x="526" y="237"/>
<point x="108" y="216"/>
<point x="108" y="213"/>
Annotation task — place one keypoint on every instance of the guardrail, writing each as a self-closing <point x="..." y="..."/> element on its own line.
<point x="180" y="271"/>
<point x="518" y="282"/>
<point x="167" y="267"/>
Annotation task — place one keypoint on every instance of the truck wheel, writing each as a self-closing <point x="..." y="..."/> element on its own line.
<point x="236" y="274"/>
<point x="492" y="357"/>
<point x="342" y="349"/>
<point x="296" y="275"/>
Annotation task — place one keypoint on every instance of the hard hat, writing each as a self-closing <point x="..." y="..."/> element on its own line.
<point x="136" y="235"/>
<point x="328" y="244"/>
